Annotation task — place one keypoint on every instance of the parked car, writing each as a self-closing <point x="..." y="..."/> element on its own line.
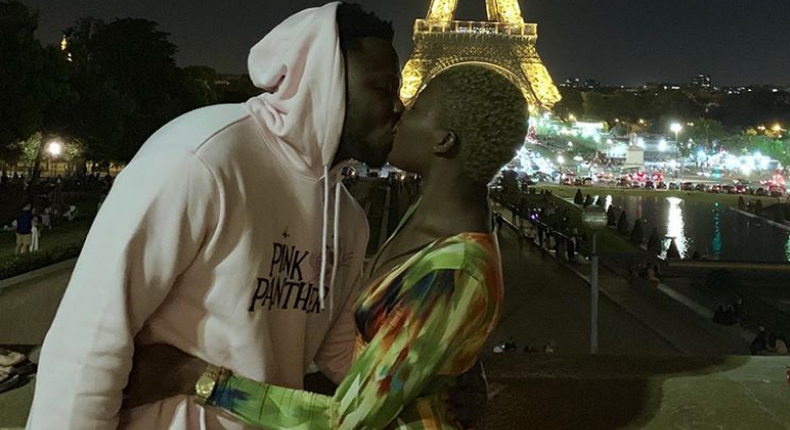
<point x="760" y="192"/>
<point x="741" y="189"/>
<point x="776" y="191"/>
<point x="715" y="189"/>
<point x="674" y="186"/>
<point x="728" y="189"/>
<point x="687" y="186"/>
<point x="587" y="182"/>
<point x="662" y="186"/>
<point x="701" y="187"/>
<point x="649" y="185"/>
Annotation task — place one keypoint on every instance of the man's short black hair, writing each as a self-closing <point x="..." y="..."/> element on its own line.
<point x="355" y="23"/>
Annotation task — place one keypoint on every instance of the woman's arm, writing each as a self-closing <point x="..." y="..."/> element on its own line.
<point x="444" y="316"/>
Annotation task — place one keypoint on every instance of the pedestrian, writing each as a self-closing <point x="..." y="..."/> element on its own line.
<point x="780" y="347"/>
<point x="760" y="343"/>
<point x="35" y="234"/>
<point x="24" y="230"/>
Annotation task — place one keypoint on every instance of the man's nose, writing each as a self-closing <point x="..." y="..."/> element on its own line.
<point x="398" y="109"/>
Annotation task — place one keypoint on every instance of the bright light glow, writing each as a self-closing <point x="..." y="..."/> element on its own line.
<point x="546" y="115"/>
<point x="676" y="225"/>
<point x="673" y="164"/>
<point x="609" y="141"/>
<point x="662" y="145"/>
<point x="732" y="162"/>
<point x="777" y="128"/>
<point x="700" y="155"/>
<point x="570" y="144"/>
<point x="55" y="148"/>
<point x="578" y="158"/>
<point x="560" y="159"/>
<point x="764" y="162"/>
<point x="640" y="142"/>
<point x="676" y="127"/>
<point x="746" y="168"/>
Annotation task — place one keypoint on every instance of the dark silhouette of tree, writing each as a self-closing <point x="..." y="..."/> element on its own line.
<point x="622" y="224"/>
<point x="34" y="87"/>
<point x="637" y="234"/>
<point x="654" y="243"/>
<point x="579" y="197"/>
<point x="588" y="201"/>
<point x="611" y="215"/>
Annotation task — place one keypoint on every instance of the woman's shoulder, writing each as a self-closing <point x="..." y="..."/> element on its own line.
<point x="469" y="251"/>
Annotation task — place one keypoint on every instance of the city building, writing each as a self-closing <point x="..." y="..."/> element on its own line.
<point x="701" y="81"/>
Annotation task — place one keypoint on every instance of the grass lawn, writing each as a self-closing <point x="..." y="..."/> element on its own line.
<point x="65" y="234"/>
<point x="724" y="199"/>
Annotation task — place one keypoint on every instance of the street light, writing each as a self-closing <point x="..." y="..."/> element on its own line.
<point x="594" y="218"/>
<point x="55" y="148"/>
<point x="676" y="128"/>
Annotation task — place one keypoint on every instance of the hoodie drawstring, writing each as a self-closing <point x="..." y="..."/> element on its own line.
<point x="335" y="243"/>
<point x="336" y="248"/>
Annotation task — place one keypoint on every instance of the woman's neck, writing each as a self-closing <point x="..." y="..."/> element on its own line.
<point x="452" y="204"/>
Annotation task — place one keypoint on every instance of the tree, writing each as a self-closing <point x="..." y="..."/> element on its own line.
<point x="611" y="216"/>
<point x="572" y="103"/>
<point x="637" y="234"/>
<point x="622" y="224"/>
<point x="510" y="184"/>
<point x="34" y="85"/>
<point x="707" y="132"/>
<point x="129" y="85"/>
<point x="579" y="197"/>
<point x="654" y="243"/>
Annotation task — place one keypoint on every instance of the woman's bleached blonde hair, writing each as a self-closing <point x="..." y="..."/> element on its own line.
<point x="488" y="114"/>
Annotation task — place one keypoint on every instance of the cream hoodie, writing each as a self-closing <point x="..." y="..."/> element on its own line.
<point x="212" y="240"/>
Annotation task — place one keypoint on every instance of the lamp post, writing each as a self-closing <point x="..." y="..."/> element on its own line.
<point x="54" y="148"/>
<point x="594" y="218"/>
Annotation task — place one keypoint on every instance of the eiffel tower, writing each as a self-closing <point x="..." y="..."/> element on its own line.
<point x="504" y="42"/>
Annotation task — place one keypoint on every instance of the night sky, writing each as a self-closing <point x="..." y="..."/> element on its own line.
<point x="619" y="42"/>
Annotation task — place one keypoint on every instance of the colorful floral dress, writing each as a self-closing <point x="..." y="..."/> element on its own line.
<point x="418" y="327"/>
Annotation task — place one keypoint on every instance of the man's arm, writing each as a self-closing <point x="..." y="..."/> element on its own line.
<point x="336" y="354"/>
<point x="162" y="209"/>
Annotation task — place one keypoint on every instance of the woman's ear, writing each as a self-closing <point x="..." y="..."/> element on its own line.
<point x="447" y="144"/>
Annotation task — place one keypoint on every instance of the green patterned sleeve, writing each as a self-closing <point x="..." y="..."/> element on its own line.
<point x="442" y="319"/>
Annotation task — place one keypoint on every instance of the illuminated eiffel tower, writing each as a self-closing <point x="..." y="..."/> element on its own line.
<point x="504" y="42"/>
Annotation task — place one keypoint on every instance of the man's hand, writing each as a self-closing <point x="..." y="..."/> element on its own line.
<point x="159" y="372"/>
<point x="468" y="397"/>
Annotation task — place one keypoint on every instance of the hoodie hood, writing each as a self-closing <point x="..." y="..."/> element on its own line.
<point x="301" y="68"/>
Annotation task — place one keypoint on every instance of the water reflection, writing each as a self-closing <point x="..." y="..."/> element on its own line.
<point x="676" y="225"/>
<point x="717" y="244"/>
<point x="715" y="231"/>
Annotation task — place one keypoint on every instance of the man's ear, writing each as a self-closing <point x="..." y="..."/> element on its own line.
<point x="447" y="144"/>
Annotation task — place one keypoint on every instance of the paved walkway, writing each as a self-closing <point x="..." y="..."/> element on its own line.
<point x="545" y="301"/>
<point x="645" y="305"/>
